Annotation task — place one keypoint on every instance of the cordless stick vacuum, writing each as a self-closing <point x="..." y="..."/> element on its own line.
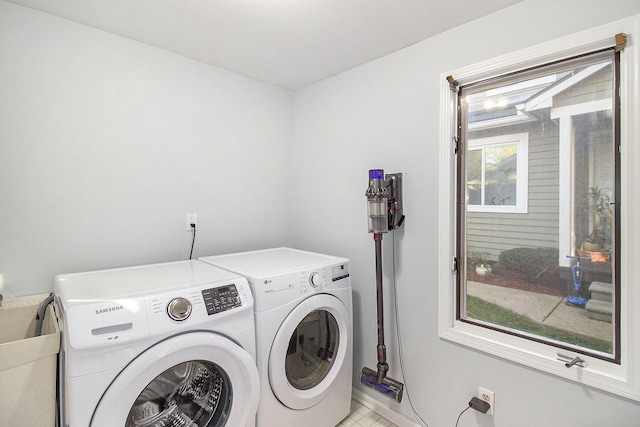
<point x="384" y="200"/>
<point x="577" y="271"/>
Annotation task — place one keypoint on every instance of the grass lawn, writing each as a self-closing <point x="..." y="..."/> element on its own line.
<point x="491" y="313"/>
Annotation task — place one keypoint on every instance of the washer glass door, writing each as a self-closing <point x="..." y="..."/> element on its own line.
<point x="309" y="351"/>
<point x="197" y="379"/>
<point x="193" y="393"/>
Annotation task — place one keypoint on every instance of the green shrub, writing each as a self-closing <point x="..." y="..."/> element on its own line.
<point x="530" y="262"/>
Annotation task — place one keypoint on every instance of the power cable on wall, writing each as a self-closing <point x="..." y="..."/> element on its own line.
<point x="193" y="241"/>
<point x="397" y="316"/>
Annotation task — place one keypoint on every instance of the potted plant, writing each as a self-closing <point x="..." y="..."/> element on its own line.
<point x="479" y="261"/>
<point x="596" y="245"/>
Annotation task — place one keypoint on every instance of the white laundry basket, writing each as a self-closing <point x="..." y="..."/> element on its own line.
<point x="28" y="364"/>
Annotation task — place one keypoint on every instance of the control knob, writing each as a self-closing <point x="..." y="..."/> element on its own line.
<point x="315" y="280"/>
<point x="179" y="309"/>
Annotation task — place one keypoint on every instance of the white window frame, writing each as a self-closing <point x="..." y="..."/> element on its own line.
<point x="621" y="379"/>
<point x="522" y="184"/>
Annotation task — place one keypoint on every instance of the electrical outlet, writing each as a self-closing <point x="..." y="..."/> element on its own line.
<point x="192" y="218"/>
<point x="487" y="396"/>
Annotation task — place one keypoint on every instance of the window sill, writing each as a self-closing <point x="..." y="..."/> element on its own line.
<point x="597" y="373"/>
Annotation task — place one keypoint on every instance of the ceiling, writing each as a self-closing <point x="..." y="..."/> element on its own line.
<point x="288" y="43"/>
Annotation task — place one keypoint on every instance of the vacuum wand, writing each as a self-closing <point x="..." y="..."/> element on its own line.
<point x="384" y="196"/>
<point x="383" y="366"/>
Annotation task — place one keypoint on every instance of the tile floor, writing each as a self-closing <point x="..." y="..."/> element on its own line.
<point x="361" y="416"/>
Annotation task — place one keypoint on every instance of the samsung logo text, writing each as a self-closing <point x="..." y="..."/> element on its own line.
<point x="110" y="309"/>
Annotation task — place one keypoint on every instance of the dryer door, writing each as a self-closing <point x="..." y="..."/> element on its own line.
<point x="309" y="351"/>
<point x="195" y="379"/>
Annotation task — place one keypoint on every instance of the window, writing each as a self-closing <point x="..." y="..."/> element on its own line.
<point x="536" y="211"/>
<point x="497" y="174"/>
<point x="530" y="267"/>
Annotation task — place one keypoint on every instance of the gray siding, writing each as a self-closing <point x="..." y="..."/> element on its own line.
<point x="495" y="232"/>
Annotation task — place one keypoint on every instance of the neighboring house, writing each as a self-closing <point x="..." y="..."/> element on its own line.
<point x="519" y="193"/>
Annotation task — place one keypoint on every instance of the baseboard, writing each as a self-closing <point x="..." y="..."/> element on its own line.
<point x="382" y="410"/>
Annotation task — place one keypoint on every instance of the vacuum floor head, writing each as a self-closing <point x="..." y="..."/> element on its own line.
<point x="389" y="387"/>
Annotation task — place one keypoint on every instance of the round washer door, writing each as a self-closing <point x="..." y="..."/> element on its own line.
<point x="309" y="351"/>
<point x="196" y="379"/>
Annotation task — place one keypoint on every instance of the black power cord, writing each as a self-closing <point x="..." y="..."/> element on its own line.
<point x="463" y="411"/>
<point x="397" y="315"/>
<point x="193" y="241"/>
<point x="477" y="404"/>
<point x="474" y="403"/>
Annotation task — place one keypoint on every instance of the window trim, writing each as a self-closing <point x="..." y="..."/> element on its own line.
<point x="622" y="379"/>
<point x="522" y="184"/>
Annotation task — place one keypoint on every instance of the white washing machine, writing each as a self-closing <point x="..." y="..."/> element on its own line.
<point x="159" y="345"/>
<point x="303" y="314"/>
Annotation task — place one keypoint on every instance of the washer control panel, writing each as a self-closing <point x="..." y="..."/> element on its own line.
<point x="221" y="299"/>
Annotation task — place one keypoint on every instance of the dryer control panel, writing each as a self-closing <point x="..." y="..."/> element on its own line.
<point x="273" y="291"/>
<point x="340" y="272"/>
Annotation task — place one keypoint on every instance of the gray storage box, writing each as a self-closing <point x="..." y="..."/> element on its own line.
<point x="28" y="364"/>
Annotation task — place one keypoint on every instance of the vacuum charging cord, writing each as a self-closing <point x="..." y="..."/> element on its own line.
<point x="397" y="316"/>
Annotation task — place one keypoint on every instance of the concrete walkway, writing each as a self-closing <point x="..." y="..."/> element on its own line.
<point x="547" y="309"/>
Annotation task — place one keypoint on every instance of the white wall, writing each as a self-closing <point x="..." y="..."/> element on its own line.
<point x="385" y="114"/>
<point x="106" y="144"/>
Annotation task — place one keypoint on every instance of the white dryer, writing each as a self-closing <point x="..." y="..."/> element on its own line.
<point x="303" y="314"/>
<point x="160" y="345"/>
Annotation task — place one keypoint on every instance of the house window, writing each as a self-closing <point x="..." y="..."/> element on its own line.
<point x="497" y="174"/>
<point x="568" y="294"/>
<point x="537" y="213"/>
